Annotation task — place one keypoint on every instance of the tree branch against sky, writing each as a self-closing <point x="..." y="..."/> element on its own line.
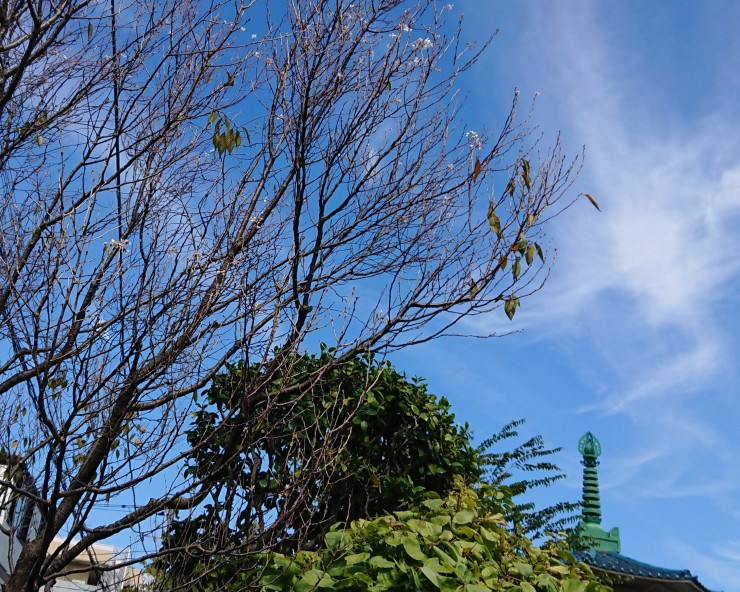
<point x="175" y="194"/>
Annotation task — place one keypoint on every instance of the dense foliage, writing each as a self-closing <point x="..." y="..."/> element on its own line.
<point x="395" y="441"/>
<point x="399" y="445"/>
<point x="452" y="544"/>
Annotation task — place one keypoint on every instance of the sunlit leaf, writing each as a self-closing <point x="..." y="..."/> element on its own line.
<point x="493" y="220"/>
<point x="592" y="200"/>
<point x="529" y="255"/>
<point x="510" y="306"/>
<point x="473" y="288"/>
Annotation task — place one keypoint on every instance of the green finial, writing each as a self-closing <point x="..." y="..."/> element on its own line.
<point x="590" y="526"/>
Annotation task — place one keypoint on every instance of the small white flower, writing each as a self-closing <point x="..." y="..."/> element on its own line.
<point x="118" y="245"/>
<point x="405" y="28"/>
<point x="422" y="43"/>
<point x="473" y="140"/>
<point x="254" y="35"/>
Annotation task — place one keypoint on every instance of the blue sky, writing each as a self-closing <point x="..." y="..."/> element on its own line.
<point x="635" y="337"/>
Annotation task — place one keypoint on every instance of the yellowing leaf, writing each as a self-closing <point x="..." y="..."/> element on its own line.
<point x="510" y="306"/>
<point x="516" y="268"/>
<point x="473" y="288"/>
<point x="592" y="200"/>
<point x="89" y="31"/>
<point x="529" y="255"/>
<point x="493" y="220"/>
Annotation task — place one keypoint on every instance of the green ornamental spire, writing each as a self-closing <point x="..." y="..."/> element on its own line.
<point x="589" y="529"/>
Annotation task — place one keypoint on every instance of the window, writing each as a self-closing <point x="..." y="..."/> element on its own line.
<point x="21" y="518"/>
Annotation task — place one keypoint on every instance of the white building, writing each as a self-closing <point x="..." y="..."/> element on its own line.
<point x="21" y="520"/>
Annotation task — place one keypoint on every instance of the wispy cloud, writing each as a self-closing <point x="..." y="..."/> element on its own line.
<point x="659" y="260"/>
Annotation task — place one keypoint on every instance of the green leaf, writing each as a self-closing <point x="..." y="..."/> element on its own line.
<point x="529" y="255"/>
<point x="381" y="562"/>
<point x="574" y="585"/>
<point x="413" y="550"/>
<point x="337" y="539"/>
<point x="476" y="588"/>
<point x="431" y="575"/>
<point x="89" y="31"/>
<point x="464" y="516"/>
<point x="539" y="252"/>
<point x="516" y="268"/>
<point x="433" y="504"/>
<point x="525" y="174"/>
<point x="523" y="568"/>
<point x="312" y="579"/>
<point x="356" y="558"/>
<point x="510" y="187"/>
<point x="493" y="220"/>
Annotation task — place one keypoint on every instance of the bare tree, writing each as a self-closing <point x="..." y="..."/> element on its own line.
<point x="188" y="183"/>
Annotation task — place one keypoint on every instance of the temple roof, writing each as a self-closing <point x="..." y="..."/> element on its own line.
<point x="604" y="555"/>
<point x="617" y="564"/>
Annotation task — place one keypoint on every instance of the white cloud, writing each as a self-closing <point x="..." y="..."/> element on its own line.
<point x="664" y="245"/>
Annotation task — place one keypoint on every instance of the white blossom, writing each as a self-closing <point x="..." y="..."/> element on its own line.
<point x="473" y="139"/>
<point x="422" y="43"/>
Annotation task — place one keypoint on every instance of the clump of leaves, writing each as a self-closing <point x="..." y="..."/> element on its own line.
<point x="455" y="544"/>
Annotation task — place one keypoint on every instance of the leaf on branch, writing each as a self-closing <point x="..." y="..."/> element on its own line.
<point x="493" y="220"/>
<point x="525" y="174"/>
<point x="592" y="200"/>
<point x="510" y="306"/>
<point x="529" y="255"/>
<point x="388" y="85"/>
<point x="516" y="268"/>
<point x="510" y="187"/>
<point x="89" y="31"/>
<point x="229" y="80"/>
<point x="539" y="252"/>
<point x="473" y="288"/>
<point x="477" y="169"/>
